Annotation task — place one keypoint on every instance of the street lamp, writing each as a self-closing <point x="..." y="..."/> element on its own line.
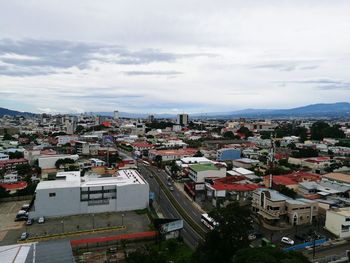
<point x="93" y="221"/>
<point x="122" y="219"/>
<point x="62" y="222"/>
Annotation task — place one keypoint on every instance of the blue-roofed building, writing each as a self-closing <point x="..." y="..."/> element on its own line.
<point x="228" y="154"/>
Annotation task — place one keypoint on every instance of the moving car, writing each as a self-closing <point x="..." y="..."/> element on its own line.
<point x="24" y="236"/>
<point x="30" y="221"/>
<point x="287" y="240"/>
<point x="41" y="220"/>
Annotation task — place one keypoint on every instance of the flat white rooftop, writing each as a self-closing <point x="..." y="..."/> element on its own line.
<point x="73" y="179"/>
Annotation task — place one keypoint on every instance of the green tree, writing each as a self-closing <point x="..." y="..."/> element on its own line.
<point x="79" y="129"/>
<point x="158" y="159"/>
<point x="268" y="255"/>
<point x="287" y="191"/>
<point x="7" y="137"/>
<point x="229" y="135"/>
<point x="317" y="130"/>
<point x="244" y="130"/>
<point x="16" y="155"/>
<point x="3" y="192"/>
<point x="229" y="236"/>
<point x="174" y="168"/>
<point x="198" y="154"/>
<point x="64" y="161"/>
<point x="23" y="169"/>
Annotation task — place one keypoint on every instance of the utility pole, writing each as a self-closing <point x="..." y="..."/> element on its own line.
<point x="271" y="159"/>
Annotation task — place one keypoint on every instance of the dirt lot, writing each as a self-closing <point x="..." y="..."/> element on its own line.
<point x="8" y="211"/>
<point x="133" y="222"/>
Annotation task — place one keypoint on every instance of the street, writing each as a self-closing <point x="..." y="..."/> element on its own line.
<point x="190" y="236"/>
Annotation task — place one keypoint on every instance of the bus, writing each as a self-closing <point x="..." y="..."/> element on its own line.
<point x="208" y="221"/>
<point x="146" y="163"/>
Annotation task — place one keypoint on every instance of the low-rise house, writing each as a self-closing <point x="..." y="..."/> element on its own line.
<point x="236" y="188"/>
<point x="228" y="154"/>
<point x="171" y="155"/>
<point x="341" y="178"/>
<point x="49" y="161"/>
<point x="248" y="174"/>
<point x="4" y="157"/>
<point x="245" y="163"/>
<point x="274" y="208"/>
<point x="291" y="180"/>
<point x="10" y="165"/>
<point x="199" y="172"/>
<point x="338" y="222"/>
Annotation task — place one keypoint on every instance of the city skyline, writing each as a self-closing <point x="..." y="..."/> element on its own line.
<point x="172" y="57"/>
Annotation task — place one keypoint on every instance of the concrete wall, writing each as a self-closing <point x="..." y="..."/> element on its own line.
<point x="334" y="224"/>
<point x="66" y="202"/>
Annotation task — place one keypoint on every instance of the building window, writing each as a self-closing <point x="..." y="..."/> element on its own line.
<point x="347" y="219"/>
<point x="52" y="194"/>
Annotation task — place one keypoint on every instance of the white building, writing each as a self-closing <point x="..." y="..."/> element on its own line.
<point x="71" y="194"/>
<point x="64" y="139"/>
<point x="49" y="161"/>
<point x="4" y="157"/>
<point x="116" y="115"/>
<point x="182" y="119"/>
<point x="198" y="172"/>
<point x="338" y="222"/>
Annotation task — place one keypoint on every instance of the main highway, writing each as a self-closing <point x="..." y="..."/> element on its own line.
<point x="157" y="180"/>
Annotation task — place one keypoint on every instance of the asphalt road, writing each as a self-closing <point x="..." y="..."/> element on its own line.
<point x="189" y="235"/>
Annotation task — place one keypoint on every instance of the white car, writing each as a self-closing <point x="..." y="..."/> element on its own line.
<point x="287" y="240"/>
<point x="41" y="220"/>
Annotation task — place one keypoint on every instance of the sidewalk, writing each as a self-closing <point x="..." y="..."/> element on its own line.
<point x="180" y="188"/>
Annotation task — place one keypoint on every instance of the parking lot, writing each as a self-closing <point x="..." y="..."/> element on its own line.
<point x="8" y="211"/>
<point x="11" y="230"/>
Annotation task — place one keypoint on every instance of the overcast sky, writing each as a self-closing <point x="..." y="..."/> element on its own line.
<point x="172" y="56"/>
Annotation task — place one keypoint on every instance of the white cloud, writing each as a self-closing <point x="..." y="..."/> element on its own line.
<point x="157" y="56"/>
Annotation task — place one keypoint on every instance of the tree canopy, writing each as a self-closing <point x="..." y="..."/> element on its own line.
<point x="229" y="236"/>
<point x="321" y="130"/>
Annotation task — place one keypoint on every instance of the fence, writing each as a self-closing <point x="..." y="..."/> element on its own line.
<point x="306" y="244"/>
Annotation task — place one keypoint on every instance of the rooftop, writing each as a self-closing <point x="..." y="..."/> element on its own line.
<point x="342" y="211"/>
<point x="203" y="167"/>
<point x="340" y="177"/>
<point x="73" y="179"/>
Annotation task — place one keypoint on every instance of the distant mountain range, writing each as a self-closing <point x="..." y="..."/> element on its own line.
<point x="4" y="111"/>
<point x="339" y="109"/>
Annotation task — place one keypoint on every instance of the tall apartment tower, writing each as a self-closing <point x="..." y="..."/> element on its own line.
<point x="116" y="115"/>
<point x="182" y="119"/>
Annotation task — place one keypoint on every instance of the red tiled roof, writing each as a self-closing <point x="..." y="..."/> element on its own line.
<point x="179" y="152"/>
<point x="142" y="145"/>
<point x="11" y="161"/>
<point x="14" y="186"/>
<point x="293" y="178"/>
<point x="229" y="183"/>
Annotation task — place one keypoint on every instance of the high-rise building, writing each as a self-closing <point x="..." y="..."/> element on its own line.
<point x="116" y="115"/>
<point x="182" y="119"/>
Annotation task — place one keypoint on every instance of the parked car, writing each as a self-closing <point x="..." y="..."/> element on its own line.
<point x="251" y="237"/>
<point x="41" y="220"/>
<point x="287" y="240"/>
<point x="24" y="236"/>
<point x="171" y="188"/>
<point x="25" y="207"/>
<point x="169" y="183"/>
<point x="30" y="221"/>
<point x="21" y="216"/>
